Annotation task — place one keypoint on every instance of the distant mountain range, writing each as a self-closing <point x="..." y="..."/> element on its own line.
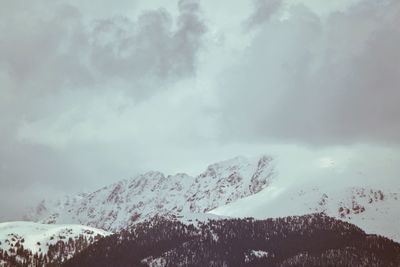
<point x="240" y="187"/>
<point x="122" y="204"/>
<point x="237" y="188"/>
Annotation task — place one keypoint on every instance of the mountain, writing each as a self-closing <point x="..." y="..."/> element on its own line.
<point x="134" y="200"/>
<point x="309" y="240"/>
<point x="27" y="243"/>
<point x="376" y="211"/>
<point x="366" y="194"/>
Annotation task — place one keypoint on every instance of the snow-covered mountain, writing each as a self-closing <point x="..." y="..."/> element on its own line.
<point x="365" y="194"/>
<point x="376" y="211"/>
<point x="36" y="238"/>
<point x="133" y="200"/>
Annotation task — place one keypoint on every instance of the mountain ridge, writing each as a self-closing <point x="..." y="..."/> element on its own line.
<point x="129" y="201"/>
<point x="239" y="187"/>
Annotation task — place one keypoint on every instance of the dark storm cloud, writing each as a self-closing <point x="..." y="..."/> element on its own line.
<point x="329" y="81"/>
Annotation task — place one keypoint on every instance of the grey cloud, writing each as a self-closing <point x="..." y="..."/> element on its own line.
<point x="37" y="50"/>
<point x="263" y="10"/>
<point x="54" y="48"/>
<point x="149" y="51"/>
<point x="90" y="93"/>
<point x="58" y="58"/>
<point x="333" y="81"/>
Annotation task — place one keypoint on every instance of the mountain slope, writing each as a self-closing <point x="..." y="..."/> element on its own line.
<point x="241" y="187"/>
<point x="130" y="201"/>
<point x="355" y="189"/>
<point x="311" y="240"/>
<point x="376" y="211"/>
<point x="19" y="241"/>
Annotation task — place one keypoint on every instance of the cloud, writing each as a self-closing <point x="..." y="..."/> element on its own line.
<point x="318" y="80"/>
<point x="263" y="10"/>
<point x="149" y="53"/>
<point x="55" y="48"/>
<point x="80" y="87"/>
<point x="92" y="92"/>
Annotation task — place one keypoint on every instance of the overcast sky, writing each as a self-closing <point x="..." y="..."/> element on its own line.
<point x="92" y="92"/>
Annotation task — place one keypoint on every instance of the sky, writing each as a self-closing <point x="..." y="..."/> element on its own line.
<point x="92" y="92"/>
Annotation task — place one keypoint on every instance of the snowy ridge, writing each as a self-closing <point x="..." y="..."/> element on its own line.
<point x="363" y="192"/>
<point x="133" y="200"/>
<point x="375" y="211"/>
<point x="243" y="187"/>
<point x="36" y="237"/>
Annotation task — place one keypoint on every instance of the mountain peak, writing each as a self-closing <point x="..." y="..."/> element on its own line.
<point x="133" y="200"/>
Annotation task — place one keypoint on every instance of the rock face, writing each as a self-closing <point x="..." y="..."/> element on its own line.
<point x="133" y="200"/>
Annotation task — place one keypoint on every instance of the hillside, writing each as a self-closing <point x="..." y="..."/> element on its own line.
<point x="310" y="240"/>
<point x="28" y="243"/>
<point x="374" y="210"/>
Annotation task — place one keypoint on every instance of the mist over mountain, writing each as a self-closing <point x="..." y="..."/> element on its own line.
<point x="164" y="133"/>
<point x="224" y="195"/>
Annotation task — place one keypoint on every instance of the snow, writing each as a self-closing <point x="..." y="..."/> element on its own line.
<point x="360" y="191"/>
<point x="37" y="237"/>
<point x="256" y="254"/>
<point x="154" y="262"/>
<point x="326" y="185"/>
<point x="196" y="218"/>
<point x="134" y="200"/>
<point x="259" y="253"/>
